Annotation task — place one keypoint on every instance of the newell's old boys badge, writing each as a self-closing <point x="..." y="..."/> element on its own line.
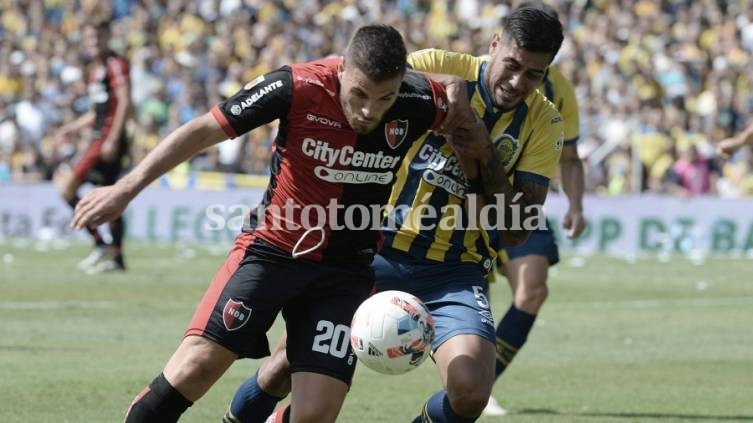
<point x="395" y="132"/>
<point x="235" y="315"/>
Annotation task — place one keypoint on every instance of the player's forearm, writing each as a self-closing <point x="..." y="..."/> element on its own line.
<point x="573" y="182"/>
<point x="498" y="190"/>
<point x="182" y="144"/>
<point x="87" y="119"/>
<point x="746" y="137"/>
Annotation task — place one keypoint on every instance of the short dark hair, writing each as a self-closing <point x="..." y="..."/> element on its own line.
<point x="534" y="30"/>
<point x="541" y="6"/>
<point x="378" y="51"/>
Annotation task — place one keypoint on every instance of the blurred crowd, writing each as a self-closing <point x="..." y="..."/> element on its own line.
<point x="659" y="81"/>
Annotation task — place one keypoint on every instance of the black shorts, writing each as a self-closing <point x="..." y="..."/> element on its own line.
<point x="317" y="300"/>
<point x="91" y="167"/>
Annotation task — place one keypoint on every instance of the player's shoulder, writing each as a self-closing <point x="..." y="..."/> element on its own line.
<point x="559" y="82"/>
<point x="541" y="109"/>
<point x="316" y="75"/>
<point x="450" y="62"/>
<point x="417" y="91"/>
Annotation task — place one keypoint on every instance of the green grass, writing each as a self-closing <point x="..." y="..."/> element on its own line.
<point x="616" y="342"/>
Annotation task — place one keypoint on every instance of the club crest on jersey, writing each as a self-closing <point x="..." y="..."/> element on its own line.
<point x="395" y="132"/>
<point x="506" y="146"/>
<point x="235" y="314"/>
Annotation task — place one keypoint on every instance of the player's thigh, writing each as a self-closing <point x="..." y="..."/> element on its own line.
<point x="244" y="299"/>
<point x="318" y="321"/>
<point x="529" y="263"/>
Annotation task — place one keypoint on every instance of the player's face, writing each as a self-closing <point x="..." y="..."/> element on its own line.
<point x="364" y="101"/>
<point x="95" y="41"/>
<point x="513" y="73"/>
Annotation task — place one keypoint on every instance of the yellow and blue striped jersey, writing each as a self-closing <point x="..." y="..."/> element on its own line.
<point x="561" y="92"/>
<point x="428" y="197"/>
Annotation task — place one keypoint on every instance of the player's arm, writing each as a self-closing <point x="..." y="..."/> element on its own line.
<point x="729" y="146"/>
<point x="104" y="204"/>
<point x="255" y="105"/>
<point x="573" y="183"/>
<point x="83" y="121"/>
<point x="459" y="108"/>
<point x="523" y="198"/>
<point x="571" y="166"/>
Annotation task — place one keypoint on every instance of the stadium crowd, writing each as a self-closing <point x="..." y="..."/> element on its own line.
<point x="659" y="81"/>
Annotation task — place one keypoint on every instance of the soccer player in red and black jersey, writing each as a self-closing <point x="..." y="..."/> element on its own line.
<point x="345" y="126"/>
<point x="100" y="164"/>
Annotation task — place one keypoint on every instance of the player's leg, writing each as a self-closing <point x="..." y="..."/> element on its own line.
<point x="194" y="367"/>
<point x="231" y="321"/>
<point x="527" y="270"/>
<point x="68" y="182"/>
<point x="455" y="293"/>
<point x="465" y="364"/>
<point x="106" y="173"/>
<point x="322" y="361"/>
<point x="258" y="396"/>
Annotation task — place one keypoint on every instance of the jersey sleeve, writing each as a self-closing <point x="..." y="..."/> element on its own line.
<point x="444" y="62"/>
<point x="439" y="94"/>
<point x="542" y="152"/>
<point x="259" y="102"/>
<point x="421" y="100"/>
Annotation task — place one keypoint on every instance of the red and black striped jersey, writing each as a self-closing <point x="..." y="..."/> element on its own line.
<point x="106" y="75"/>
<point x="328" y="184"/>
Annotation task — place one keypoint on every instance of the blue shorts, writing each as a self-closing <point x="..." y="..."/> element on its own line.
<point x="540" y="242"/>
<point x="454" y="292"/>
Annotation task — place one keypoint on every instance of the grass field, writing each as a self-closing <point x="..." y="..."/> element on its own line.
<point x="618" y="341"/>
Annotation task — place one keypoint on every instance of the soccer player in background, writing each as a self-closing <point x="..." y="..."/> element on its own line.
<point x="340" y="119"/>
<point x="526" y="266"/>
<point x="514" y="149"/>
<point x="101" y="163"/>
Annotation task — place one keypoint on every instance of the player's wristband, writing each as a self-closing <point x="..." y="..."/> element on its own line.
<point x="475" y="186"/>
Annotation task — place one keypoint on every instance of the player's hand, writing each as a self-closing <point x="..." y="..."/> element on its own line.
<point x="471" y="141"/>
<point x="109" y="151"/>
<point x="726" y="148"/>
<point x="574" y="222"/>
<point x="59" y="138"/>
<point x="459" y="109"/>
<point x="99" y="206"/>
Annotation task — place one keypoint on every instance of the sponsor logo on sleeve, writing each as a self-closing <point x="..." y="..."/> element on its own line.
<point x="237" y="108"/>
<point x="560" y="142"/>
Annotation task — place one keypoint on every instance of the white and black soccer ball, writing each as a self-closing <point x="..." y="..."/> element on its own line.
<point x="392" y="332"/>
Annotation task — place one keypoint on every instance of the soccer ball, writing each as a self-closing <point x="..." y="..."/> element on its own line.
<point x="391" y="332"/>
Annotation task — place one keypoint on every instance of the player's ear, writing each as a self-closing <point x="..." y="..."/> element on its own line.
<point x="494" y="45"/>
<point x="341" y="69"/>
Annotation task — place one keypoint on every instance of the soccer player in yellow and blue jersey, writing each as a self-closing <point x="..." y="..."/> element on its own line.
<point x="526" y="266"/>
<point x="430" y="250"/>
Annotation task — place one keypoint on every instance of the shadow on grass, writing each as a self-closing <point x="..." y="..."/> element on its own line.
<point x="634" y="415"/>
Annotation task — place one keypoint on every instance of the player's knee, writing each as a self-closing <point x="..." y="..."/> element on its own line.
<point x="531" y="298"/>
<point x="468" y="392"/>
<point x="196" y="365"/>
